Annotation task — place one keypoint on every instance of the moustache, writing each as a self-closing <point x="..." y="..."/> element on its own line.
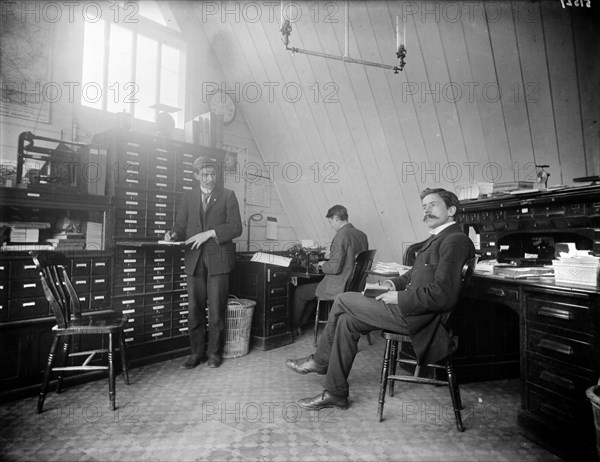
<point x="429" y="216"/>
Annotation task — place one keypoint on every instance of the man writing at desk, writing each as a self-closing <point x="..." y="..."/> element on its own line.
<point x="413" y="306"/>
<point x="347" y="242"/>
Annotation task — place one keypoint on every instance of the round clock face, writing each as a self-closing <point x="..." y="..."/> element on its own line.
<point x="222" y="103"/>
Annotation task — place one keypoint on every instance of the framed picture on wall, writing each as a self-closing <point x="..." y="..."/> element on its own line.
<point x="233" y="155"/>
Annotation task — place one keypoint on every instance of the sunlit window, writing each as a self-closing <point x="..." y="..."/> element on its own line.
<point x="133" y="66"/>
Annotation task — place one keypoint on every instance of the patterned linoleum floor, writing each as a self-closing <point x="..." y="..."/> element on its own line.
<point x="247" y="410"/>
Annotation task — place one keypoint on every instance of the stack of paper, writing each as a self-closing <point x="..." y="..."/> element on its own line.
<point x="389" y="268"/>
<point x="93" y="236"/>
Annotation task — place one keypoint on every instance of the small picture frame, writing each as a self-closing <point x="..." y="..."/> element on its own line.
<point x="231" y="160"/>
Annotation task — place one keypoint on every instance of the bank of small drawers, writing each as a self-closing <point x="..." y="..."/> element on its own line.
<point x="149" y="286"/>
<point x="561" y="362"/>
<point x="22" y="295"/>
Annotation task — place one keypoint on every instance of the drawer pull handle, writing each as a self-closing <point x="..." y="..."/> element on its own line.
<point x="556" y="346"/>
<point x="555" y="313"/>
<point x="496" y="292"/>
<point x="28" y="267"/>
<point x="557" y="380"/>
<point x="279" y="325"/>
<point x="277" y="308"/>
<point x="29" y="286"/>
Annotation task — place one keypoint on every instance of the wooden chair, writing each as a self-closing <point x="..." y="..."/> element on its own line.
<point x="355" y="283"/>
<point x="69" y="322"/>
<point x="391" y="359"/>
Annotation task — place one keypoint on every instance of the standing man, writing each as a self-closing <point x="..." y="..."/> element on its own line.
<point x="414" y="305"/>
<point x="208" y="219"/>
<point x="347" y="242"/>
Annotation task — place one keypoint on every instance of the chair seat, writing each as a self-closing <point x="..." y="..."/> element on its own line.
<point x="101" y="323"/>
<point x="388" y="335"/>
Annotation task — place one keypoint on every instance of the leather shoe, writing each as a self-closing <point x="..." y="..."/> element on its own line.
<point x="323" y="400"/>
<point x="192" y="361"/>
<point x="306" y="365"/>
<point x="214" y="361"/>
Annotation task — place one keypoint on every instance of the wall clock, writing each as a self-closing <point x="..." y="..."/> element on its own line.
<point x="222" y="103"/>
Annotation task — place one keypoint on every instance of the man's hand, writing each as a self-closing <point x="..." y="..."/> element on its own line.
<point x="198" y="239"/>
<point x="390" y="297"/>
<point x="170" y="236"/>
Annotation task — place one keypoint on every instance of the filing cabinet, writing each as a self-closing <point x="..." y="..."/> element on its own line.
<point x="268" y="286"/>
<point x="560" y="341"/>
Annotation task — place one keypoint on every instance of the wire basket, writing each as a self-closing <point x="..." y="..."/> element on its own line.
<point x="238" y="322"/>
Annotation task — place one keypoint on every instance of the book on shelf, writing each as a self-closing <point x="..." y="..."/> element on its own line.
<point x="373" y="290"/>
<point x="20" y="235"/>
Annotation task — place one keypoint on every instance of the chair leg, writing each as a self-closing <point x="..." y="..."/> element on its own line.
<point x="49" y="365"/>
<point x="63" y="363"/>
<point x="384" y="378"/>
<point x="316" y="339"/>
<point x="455" y="394"/>
<point x="111" y="372"/>
<point x="124" y="358"/>
<point x="393" y="364"/>
<point x="368" y="335"/>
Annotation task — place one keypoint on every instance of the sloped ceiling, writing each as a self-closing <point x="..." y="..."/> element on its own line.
<point x="489" y="90"/>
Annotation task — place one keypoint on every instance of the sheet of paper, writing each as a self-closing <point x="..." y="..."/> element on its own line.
<point x="271" y="232"/>
<point x="307" y="243"/>
<point x="263" y="257"/>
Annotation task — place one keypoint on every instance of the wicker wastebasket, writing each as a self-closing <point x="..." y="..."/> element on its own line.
<point x="238" y="322"/>
<point x="593" y="394"/>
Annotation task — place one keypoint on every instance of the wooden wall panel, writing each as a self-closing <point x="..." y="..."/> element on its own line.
<point x="560" y="50"/>
<point x="391" y="135"/>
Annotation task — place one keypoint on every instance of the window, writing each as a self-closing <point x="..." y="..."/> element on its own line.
<point x="131" y="66"/>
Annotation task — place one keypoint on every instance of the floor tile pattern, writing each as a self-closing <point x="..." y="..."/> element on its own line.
<point x="246" y="410"/>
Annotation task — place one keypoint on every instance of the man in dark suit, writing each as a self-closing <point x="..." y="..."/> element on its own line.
<point x="208" y="219"/>
<point x="414" y="305"/>
<point x="347" y="242"/>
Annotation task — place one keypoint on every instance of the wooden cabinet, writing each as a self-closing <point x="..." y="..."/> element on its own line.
<point x="147" y="176"/>
<point x="268" y="286"/>
<point x="25" y="317"/>
<point x="560" y="341"/>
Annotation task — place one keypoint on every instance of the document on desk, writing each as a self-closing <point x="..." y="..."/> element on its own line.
<point x="263" y="257"/>
<point x="162" y="242"/>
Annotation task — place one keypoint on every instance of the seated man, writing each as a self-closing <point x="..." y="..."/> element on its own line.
<point x="414" y="306"/>
<point x="347" y="242"/>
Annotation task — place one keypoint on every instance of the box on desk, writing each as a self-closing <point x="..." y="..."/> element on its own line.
<point x="582" y="273"/>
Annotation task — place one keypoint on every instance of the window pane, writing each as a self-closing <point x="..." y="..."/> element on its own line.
<point x="169" y="81"/>
<point x="120" y="89"/>
<point x="93" y="64"/>
<point x="145" y="70"/>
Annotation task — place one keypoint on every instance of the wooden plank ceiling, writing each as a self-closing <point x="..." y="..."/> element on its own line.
<point x="487" y="92"/>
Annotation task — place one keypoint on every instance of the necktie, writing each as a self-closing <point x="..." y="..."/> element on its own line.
<point x="205" y="198"/>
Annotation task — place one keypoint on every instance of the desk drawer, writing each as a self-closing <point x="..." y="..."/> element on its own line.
<point x="495" y="292"/>
<point x="26" y="308"/>
<point x="277" y="310"/>
<point x="156" y="335"/>
<point x="26" y="289"/>
<point x="551" y="309"/>
<point x="24" y="269"/>
<point x="275" y="327"/>
<point x="558" y="377"/>
<point x="99" y="301"/>
<point x="556" y="408"/>
<point x="571" y="351"/>
<point x="276" y="275"/>
<point x="277" y="291"/>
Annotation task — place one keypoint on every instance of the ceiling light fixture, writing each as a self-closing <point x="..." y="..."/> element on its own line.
<point x="286" y="31"/>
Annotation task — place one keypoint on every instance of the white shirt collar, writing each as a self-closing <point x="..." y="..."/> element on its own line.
<point x="206" y="191"/>
<point x="439" y="229"/>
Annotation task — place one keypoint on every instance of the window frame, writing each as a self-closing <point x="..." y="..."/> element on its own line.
<point x="163" y="36"/>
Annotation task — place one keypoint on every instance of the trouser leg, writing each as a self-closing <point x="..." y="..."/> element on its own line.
<point x="218" y="289"/>
<point x="304" y="295"/>
<point x="197" y="293"/>
<point x="352" y="315"/>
